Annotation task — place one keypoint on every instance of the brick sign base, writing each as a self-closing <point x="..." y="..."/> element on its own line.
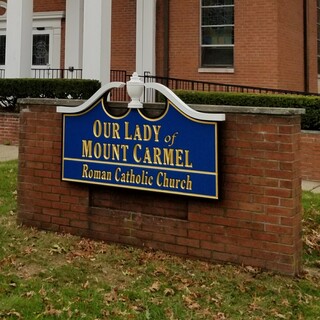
<point x="256" y="222"/>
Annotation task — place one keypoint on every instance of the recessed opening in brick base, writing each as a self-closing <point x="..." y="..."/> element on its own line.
<point x="127" y="200"/>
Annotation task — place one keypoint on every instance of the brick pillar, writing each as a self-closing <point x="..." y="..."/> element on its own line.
<point x="45" y="201"/>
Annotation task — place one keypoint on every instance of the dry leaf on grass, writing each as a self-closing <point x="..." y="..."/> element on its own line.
<point x="155" y="287"/>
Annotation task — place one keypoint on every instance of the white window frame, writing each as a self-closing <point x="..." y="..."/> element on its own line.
<point x="48" y="32"/>
<point x="51" y="22"/>
<point x="216" y="69"/>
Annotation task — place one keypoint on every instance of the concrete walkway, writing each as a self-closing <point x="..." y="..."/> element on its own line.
<point x="311" y="186"/>
<point x="11" y="153"/>
<point x="8" y="153"/>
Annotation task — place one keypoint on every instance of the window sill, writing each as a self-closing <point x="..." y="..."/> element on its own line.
<point x="216" y="70"/>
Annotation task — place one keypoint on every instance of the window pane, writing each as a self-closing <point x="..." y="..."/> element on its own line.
<point x="2" y="50"/>
<point x="40" y="53"/>
<point x="217" y="2"/>
<point x="217" y="35"/>
<point x="217" y="57"/>
<point x="217" y="16"/>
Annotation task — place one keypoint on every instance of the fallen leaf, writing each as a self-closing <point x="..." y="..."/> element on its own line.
<point x="29" y="250"/>
<point x="85" y="285"/>
<point x="160" y="270"/>
<point x="111" y="296"/>
<point x="43" y="292"/>
<point x="278" y="315"/>
<point x="155" y="287"/>
<point x="138" y="308"/>
<point x="191" y="304"/>
<point x="219" y="316"/>
<point x="11" y="313"/>
<point x="29" y="294"/>
<point x="285" y="302"/>
<point x="169" y="292"/>
<point x="51" y="311"/>
<point x="56" y="248"/>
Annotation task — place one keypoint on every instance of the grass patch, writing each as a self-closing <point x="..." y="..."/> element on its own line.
<point x="311" y="229"/>
<point x="45" y="275"/>
<point x="8" y="182"/>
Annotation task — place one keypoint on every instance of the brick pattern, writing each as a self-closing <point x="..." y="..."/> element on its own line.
<point x="256" y="222"/>
<point x="312" y="30"/>
<point x="270" y="56"/>
<point x="310" y="155"/>
<point x="123" y="40"/>
<point x="49" y="5"/>
<point x="9" y="128"/>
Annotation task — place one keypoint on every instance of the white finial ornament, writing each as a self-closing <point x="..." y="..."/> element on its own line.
<point x="135" y="89"/>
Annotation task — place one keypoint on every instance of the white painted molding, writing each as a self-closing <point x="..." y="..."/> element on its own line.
<point x="3" y="4"/>
<point x="170" y="95"/>
<point x="49" y="15"/>
<point x="183" y="106"/>
<point x="98" y="95"/>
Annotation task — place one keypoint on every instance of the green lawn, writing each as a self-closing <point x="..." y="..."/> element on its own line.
<point x="52" y="276"/>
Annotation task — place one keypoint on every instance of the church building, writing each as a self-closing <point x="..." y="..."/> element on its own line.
<point x="268" y="44"/>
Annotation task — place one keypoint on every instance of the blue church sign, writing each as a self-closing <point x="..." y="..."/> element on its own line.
<point x="174" y="153"/>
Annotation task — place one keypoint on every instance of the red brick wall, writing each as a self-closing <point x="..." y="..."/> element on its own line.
<point x="310" y="155"/>
<point x="291" y="45"/>
<point x="312" y="46"/>
<point x="290" y="42"/>
<point x="123" y="45"/>
<point x="256" y="43"/>
<point x="256" y="222"/>
<point x="268" y="44"/>
<point x="9" y="128"/>
<point x="160" y="44"/>
<point x="49" y="5"/>
<point x="63" y="37"/>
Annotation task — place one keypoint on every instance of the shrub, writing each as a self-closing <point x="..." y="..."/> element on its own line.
<point x="310" y="120"/>
<point x="13" y="89"/>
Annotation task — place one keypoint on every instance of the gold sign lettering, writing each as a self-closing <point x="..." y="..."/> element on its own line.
<point x="145" y="134"/>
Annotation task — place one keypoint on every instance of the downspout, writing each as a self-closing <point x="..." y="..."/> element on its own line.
<point x="305" y="46"/>
<point x="166" y="10"/>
